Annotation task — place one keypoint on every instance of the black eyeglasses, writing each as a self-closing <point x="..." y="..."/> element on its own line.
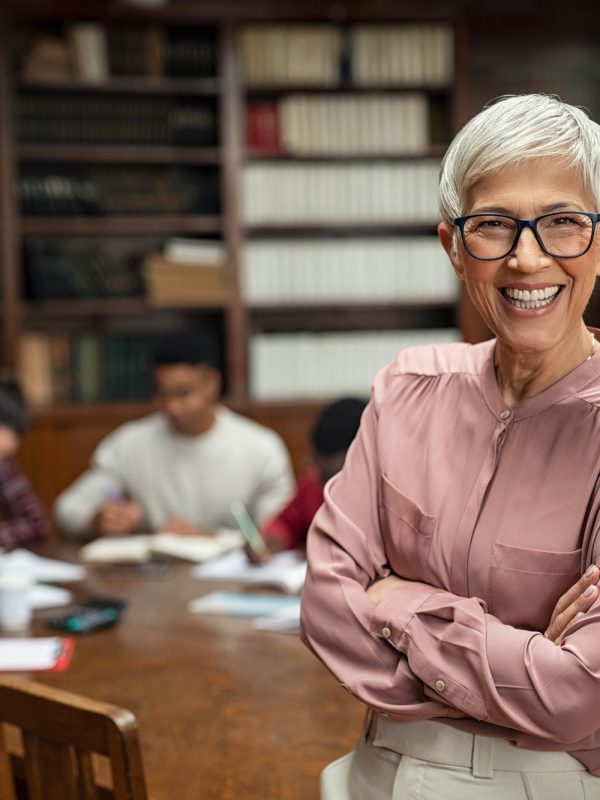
<point x="561" y="234"/>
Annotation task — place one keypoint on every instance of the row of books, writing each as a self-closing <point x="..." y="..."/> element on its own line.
<point x="84" y="367"/>
<point x="53" y="272"/>
<point x="339" y="124"/>
<point x="91" y="119"/>
<point x="93" y="52"/>
<point x="286" y="192"/>
<point x="327" y="271"/>
<point x="109" y="190"/>
<point x="366" y="54"/>
<point x="286" y="366"/>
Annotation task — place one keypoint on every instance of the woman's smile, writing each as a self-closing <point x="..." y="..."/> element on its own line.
<point x="525" y="297"/>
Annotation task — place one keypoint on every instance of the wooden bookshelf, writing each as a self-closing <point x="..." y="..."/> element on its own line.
<point x="237" y="318"/>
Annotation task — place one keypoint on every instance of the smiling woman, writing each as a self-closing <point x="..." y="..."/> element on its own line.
<point x="459" y="582"/>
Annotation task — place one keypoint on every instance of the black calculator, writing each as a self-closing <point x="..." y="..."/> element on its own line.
<point x="94" y="614"/>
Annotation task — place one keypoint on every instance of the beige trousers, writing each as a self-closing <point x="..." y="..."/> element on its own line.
<point x="431" y="761"/>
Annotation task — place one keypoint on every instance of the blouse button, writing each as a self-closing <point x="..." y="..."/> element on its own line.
<point x="440" y="686"/>
<point x="504" y="415"/>
<point x="386" y="632"/>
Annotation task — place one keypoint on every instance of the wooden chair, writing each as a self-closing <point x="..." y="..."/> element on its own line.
<point x="55" y="745"/>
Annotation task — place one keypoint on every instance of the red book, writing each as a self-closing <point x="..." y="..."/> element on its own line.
<point x="262" y="128"/>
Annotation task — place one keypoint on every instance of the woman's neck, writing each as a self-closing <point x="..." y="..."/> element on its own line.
<point x="522" y="375"/>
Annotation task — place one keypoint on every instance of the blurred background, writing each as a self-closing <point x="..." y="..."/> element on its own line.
<point x="263" y="171"/>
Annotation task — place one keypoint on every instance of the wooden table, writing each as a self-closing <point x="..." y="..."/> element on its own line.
<point x="224" y="711"/>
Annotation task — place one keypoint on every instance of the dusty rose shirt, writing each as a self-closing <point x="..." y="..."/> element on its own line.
<point x="492" y="513"/>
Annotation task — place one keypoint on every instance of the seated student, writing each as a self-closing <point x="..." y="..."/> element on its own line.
<point x="22" y="518"/>
<point x="180" y="468"/>
<point x="334" y="430"/>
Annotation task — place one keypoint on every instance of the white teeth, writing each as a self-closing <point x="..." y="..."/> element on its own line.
<point x="536" y="298"/>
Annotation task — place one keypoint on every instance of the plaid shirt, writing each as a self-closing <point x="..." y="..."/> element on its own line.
<point x="24" y="518"/>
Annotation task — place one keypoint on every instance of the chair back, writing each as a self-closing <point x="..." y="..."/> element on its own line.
<point x="55" y="744"/>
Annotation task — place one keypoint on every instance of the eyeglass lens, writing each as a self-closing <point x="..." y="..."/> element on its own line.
<point x="562" y="234"/>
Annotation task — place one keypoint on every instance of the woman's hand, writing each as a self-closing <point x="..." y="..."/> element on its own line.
<point x="573" y="604"/>
<point x="380" y="589"/>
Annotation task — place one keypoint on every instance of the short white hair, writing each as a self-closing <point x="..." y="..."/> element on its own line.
<point x="512" y="129"/>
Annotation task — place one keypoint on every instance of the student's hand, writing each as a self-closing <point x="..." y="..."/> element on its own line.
<point x="182" y="527"/>
<point x="574" y="603"/>
<point x="117" y="518"/>
<point x="257" y="558"/>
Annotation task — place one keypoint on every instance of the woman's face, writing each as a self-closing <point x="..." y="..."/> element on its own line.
<point x="528" y="190"/>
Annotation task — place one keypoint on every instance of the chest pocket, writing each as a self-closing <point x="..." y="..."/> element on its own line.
<point x="525" y="584"/>
<point x="407" y="533"/>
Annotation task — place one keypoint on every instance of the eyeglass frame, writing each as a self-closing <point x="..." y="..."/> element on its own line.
<point x="459" y="222"/>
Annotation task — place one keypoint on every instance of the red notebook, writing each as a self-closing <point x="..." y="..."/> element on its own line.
<point x="51" y="653"/>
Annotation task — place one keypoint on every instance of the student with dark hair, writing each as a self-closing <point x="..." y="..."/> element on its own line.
<point x="180" y="468"/>
<point x="331" y="437"/>
<point x="22" y="518"/>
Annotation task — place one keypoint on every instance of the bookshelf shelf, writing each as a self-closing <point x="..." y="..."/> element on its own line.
<point x="431" y="152"/>
<point x="266" y="90"/>
<point x="348" y="317"/>
<point x="48" y="310"/>
<point x="128" y="85"/>
<point x="341" y="228"/>
<point x="117" y="154"/>
<point x="151" y="225"/>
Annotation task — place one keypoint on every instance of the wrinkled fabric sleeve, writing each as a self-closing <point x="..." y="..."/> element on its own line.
<point x="275" y="480"/>
<point x="77" y="505"/>
<point x="26" y="518"/>
<point x="290" y="527"/>
<point x="345" y="555"/>
<point x="424" y="644"/>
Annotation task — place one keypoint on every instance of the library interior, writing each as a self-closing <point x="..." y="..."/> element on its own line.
<point x="263" y="174"/>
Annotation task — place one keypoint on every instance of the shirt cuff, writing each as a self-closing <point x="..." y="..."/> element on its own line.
<point x="391" y="617"/>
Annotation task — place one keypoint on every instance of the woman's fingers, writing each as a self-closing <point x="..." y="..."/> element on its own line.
<point x="574" y="603"/>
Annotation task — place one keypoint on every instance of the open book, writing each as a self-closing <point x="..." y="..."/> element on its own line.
<point x="145" y="547"/>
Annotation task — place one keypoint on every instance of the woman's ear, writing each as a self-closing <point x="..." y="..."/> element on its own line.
<point x="448" y="240"/>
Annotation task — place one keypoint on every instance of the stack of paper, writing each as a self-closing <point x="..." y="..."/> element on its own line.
<point x="274" y="612"/>
<point x="285" y="571"/>
<point x="41" y="569"/>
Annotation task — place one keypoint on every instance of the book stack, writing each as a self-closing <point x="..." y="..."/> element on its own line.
<point x="190" y="272"/>
<point x="402" y="54"/>
<point x="399" y="193"/>
<point x="84" y="367"/>
<point x="285" y="366"/>
<point x="340" y="124"/>
<point x="92" y="53"/>
<point x="128" y="191"/>
<point x="47" y="59"/>
<point x="113" y="119"/>
<point x="291" y="55"/>
<point x="350" y="270"/>
<point x="53" y="272"/>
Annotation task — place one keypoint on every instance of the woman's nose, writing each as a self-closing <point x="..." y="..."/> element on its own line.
<point x="528" y="256"/>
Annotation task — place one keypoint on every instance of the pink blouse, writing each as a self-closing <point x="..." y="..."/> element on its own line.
<point x="492" y="513"/>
